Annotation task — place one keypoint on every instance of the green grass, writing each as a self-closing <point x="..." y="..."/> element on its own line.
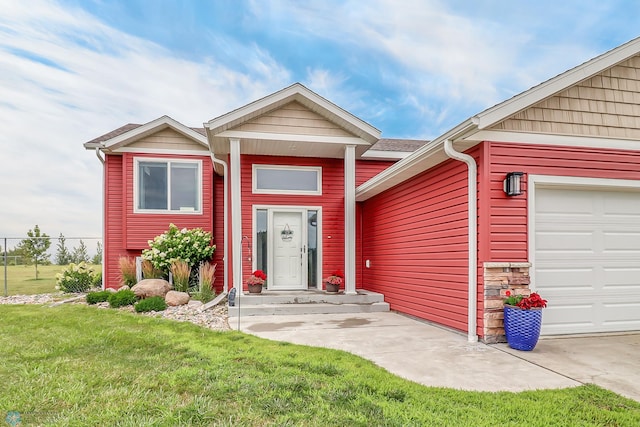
<point x="80" y="365"/>
<point x="21" y="279"/>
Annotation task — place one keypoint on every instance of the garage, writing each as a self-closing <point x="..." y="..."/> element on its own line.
<point x="585" y="245"/>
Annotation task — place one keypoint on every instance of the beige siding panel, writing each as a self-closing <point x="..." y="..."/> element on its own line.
<point x="167" y="139"/>
<point x="294" y="119"/>
<point x="606" y="105"/>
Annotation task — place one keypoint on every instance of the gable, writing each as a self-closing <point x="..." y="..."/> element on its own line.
<point x="294" y="119"/>
<point x="605" y="105"/>
<point x="166" y="139"/>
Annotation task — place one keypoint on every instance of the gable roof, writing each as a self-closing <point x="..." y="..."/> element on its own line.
<point x="432" y="153"/>
<point x="131" y="132"/>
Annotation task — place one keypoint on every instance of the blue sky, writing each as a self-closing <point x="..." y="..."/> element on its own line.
<point x="72" y="70"/>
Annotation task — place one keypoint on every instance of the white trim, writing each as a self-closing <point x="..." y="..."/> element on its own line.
<point x="203" y="152"/>
<point x="153" y="127"/>
<point x="256" y="190"/>
<point x="288" y="137"/>
<point x="288" y="208"/>
<point x="168" y="162"/>
<point x="550" y="139"/>
<point x="570" y="182"/>
<point x="236" y="214"/>
<point x="350" y="219"/>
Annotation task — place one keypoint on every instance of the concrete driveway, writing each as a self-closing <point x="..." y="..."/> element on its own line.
<point x="437" y="357"/>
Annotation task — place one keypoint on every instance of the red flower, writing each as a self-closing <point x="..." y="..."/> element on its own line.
<point x="338" y="273"/>
<point x="260" y="274"/>
<point x="508" y="293"/>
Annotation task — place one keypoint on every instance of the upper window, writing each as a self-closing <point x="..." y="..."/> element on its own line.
<point x="287" y="179"/>
<point x="168" y="186"/>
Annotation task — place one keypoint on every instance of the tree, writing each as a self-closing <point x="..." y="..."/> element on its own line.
<point x="36" y="246"/>
<point x="63" y="256"/>
<point x="97" y="258"/>
<point x="80" y="253"/>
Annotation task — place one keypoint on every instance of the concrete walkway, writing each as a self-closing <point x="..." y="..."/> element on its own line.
<point x="438" y="357"/>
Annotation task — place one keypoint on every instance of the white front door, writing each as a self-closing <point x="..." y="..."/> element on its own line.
<point x="288" y="248"/>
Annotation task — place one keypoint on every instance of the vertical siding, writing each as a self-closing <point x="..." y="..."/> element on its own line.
<point x="415" y="236"/>
<point x="507" y="233"/>
<point x="331" y="201"/>
<point x="367" y="169"/>
<point x="114" y="234"/>
<point x="140" y="228"/>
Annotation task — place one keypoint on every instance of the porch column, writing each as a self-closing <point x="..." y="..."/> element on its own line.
<point x="350" y="219"/>
<point x="236" y="215"/>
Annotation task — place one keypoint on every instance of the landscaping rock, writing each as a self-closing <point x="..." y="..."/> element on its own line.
<point x="112" y="290"/>
<point x="195" y="303"/>
<point x="151" y="288"/>
<point x="175" y="298"/>
<point x="124" y="288"/>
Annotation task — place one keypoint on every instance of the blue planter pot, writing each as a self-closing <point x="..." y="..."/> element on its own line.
<point x="522" y="327"/>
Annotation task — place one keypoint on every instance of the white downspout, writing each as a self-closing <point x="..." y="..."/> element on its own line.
<point x="473" y="236"/>
<point x="225" y="256"/>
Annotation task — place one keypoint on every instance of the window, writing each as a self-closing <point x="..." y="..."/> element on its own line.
<point x="168" y="186"/>
<point x="287" y="180"/>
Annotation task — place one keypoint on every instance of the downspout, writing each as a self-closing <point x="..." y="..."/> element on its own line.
<point x="104" y="220"/>
<point x="472" y="237"/>
<point x="225" y="204"/>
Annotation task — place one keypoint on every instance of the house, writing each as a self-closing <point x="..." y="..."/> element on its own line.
<point x="541" y="191"/>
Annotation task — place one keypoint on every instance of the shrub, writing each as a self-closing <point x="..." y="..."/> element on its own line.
<point x="127" y="270"/>
<point x="75" y="278"/>
<point x="149" y="271"/>
<point x="207" y="278"/>
<point x="96" y="297"/>
<point x="180" y="271"/>
<point x="191" y="246"/>
<point x="97" y="279"/>
<point x="122" y="298"/>
<point x="151" y="304"/>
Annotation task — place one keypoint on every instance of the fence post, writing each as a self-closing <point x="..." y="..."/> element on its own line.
<point x="6" y="291"/>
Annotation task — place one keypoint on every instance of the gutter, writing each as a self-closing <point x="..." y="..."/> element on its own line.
<point x="472" y="237"/>
<point x="104" y="224"/>
<point x="225" y="256"/>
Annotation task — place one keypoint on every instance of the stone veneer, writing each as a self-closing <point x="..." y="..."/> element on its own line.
<point x="499" y="277"/>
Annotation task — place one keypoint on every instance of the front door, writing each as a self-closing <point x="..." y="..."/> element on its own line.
<point x="288" y="249"/>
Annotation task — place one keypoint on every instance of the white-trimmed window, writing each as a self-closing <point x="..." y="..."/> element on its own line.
<point x="271" y="179"/>
<point x="167" y="186"/>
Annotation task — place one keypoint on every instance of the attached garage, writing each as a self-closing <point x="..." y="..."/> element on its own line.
<point x="585" y="250"/>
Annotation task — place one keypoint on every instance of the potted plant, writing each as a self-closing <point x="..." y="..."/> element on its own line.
<point x="333" y="282"/>
<point x="522" y="320"/>
<point x="255" y="281"/>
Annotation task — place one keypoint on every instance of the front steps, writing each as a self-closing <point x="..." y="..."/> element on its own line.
<point x="306" y="302"/>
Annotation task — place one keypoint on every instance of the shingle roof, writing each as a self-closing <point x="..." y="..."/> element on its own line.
<point x="396" y="144"/>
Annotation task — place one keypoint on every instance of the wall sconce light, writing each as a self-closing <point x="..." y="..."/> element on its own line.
<point x="513" y="184"/>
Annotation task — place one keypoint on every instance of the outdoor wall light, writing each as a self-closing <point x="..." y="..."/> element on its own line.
<point x="513" y="184"/>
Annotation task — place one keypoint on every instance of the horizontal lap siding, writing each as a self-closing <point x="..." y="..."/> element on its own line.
<point x="140" y="228"/>
<point x="218" y="230"/>
<point x="415" y="236"/>
<point x="331" y="201"/>
<point x="507" y="224"/>
<point x="367" y="169"/>
<point x="113" y="215"/>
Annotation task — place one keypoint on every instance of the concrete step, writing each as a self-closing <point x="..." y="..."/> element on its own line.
<point x="245" y="309"/>
<point x="310" y="297"/>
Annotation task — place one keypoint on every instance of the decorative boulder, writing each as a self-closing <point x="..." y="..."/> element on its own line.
<point x="124" y="288"/>
<point x="147" y="288"/>
<point x="195" y="303"/>
<point x="175" y="298"/>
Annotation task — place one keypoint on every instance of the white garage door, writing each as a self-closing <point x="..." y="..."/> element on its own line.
<point x="587" y="259"/>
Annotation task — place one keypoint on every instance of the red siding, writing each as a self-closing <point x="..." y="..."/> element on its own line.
<point x="331" y="201"/>
<point x="113" y="214"/>
<point x="506" y="226"/>
<point x="218" y="230"/>
<point x="415" y="236"/>
<point x="140" y="228"/>
<point x="367" y="169"/>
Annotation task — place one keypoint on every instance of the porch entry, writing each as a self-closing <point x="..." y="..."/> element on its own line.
<point x="287" y="247"/>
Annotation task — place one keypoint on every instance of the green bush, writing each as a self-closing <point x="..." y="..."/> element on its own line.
<point x="151" y="304"/>
<point x="191" y="246"/>
<point x="97" y="279"/>
<point x="96" y="297"/>
<point x="75" y="278"/>
<point x="122" y="298"/>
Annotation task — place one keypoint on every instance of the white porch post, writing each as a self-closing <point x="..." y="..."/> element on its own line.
<point x="236" y="215"/>
<point x="350" y="219"/>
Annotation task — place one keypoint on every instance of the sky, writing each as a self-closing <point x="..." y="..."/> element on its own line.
<point x="72" y="70"/>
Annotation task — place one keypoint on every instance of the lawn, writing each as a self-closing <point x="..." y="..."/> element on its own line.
<point x="80" y="365"/>
<point x="21" y="279"/>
